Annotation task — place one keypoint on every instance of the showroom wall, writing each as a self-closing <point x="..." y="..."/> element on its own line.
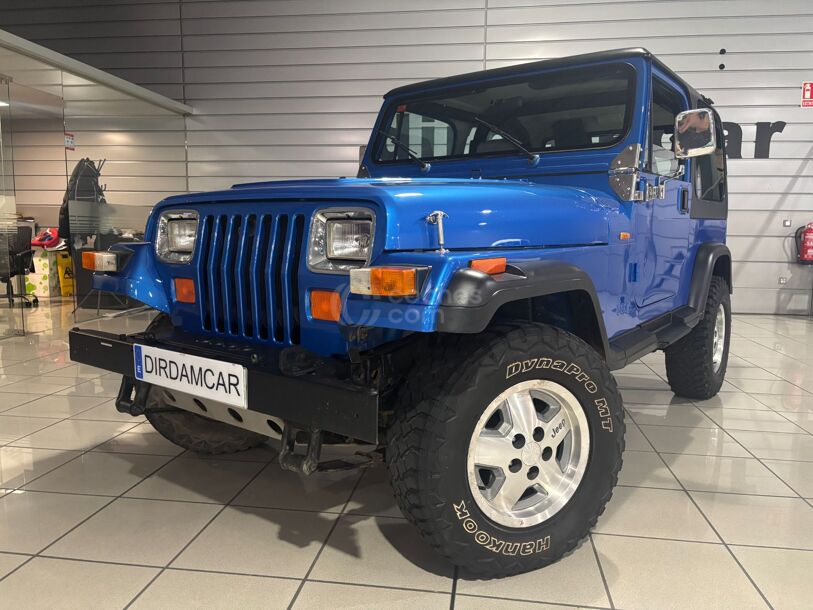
<point x="289" y="88"/>
<point x="143" y="144"/>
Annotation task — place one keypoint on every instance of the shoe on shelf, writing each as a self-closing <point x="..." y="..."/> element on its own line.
<point x="60" y="245"/>
<point x="47" y="238"/>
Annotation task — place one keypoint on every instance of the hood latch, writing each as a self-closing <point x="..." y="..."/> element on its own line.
<point x="436" y="218"/>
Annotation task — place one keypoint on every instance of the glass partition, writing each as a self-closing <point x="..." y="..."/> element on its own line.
<point x="34" y="168"/>
<point x="95" y="225"/>
<point x="12" y="321"/>
<point x="62" y="122"/>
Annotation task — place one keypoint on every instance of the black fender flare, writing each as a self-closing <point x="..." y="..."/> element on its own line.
<point x="472" y="297"/>
<point x="705" y="262"/>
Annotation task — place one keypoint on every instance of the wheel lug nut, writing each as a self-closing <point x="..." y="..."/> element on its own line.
<point x="515" y="465"/>
<point x="539" y="434"/>
<point x="519" y="441"/>
<point x="533" y="472"/>
<point x="547" y="453"/>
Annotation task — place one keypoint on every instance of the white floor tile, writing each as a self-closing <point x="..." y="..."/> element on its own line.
<point x="698" y="441"/>
<point x="30" y="521"/>
<point x="654" y="513"/>
<point x="643" y="469"/>
<point x="726" y="474"/>
<point x="218" y="591"/>
<point x="56" y="583"/>
<point x="261" y="541"/>
<point x="644" y="574"/>
<point x="783" y="522"/>
<point x="749" y="419"/>
<point x="381" y="551"/>
<point x="573" y="580"/>
<point x="782" y="575"/>
<point x="145" y="532"/>
<point x="798" y="475"/>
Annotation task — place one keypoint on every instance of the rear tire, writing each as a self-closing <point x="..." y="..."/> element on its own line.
<point x="519" y="514"/>
<point x="696" y="365"/>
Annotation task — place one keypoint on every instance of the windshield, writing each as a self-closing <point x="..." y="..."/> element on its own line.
<point x="578" y="108"/>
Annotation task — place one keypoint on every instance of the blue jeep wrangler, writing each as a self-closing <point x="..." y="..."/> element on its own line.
<point x="513" y="236"/>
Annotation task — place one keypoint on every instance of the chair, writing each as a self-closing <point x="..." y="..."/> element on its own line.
<point x="20" y="264"/>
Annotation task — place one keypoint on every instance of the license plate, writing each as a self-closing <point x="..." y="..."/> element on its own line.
<point x="203" y="377"/>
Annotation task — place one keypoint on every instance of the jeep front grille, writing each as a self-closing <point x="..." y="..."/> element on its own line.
<point x="247" y="275"/>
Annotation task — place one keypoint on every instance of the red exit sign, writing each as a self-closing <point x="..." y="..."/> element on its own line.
<point x="807" y="95"/>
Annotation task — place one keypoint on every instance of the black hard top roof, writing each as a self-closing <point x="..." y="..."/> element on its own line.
<point x="545" y="64"/>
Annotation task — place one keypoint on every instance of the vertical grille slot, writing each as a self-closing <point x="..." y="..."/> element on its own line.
<point x="215" y="286"/>
<point x="299" y="232"/>
<point x="203" y="273"/>
<point x="242" y="277"/>
<point x="259" y="292"/>
<point x="228" y="279"/>
<point x="276" y="268"/>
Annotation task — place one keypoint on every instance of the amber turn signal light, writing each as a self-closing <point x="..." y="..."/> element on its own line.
<point x="384" y="281"/>
<point x="326" y="305"/>
<point x="492" y="266"/>
<point x="184" y="290"/>
<point x="100" y="261"/>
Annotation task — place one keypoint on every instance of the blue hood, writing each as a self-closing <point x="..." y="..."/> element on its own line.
<point x="482" y="213"/>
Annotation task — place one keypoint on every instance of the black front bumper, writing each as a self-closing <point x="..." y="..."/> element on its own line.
<point x="310" y="400"/>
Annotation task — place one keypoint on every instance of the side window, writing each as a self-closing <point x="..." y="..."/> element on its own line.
<point x="710" y="183"/>
<point x="666" y="105"/>
<point x="428" y="137"/>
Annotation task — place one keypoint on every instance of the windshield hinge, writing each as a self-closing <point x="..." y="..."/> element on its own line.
<point x="655" y="191"/>
<point x="624" y="174"/>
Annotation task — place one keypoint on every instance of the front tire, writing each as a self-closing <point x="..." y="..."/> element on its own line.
<point x="506" y="446"/>
<point x="696" y="365"/>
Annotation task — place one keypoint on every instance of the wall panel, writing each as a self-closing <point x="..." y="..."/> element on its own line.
<point x="289" y="88"/>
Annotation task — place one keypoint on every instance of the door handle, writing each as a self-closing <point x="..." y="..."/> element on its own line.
<point x="684" y="200"/>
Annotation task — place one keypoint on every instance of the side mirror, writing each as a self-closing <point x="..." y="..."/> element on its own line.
<point x="695" y="135"/>
<point x="362" y="150"/>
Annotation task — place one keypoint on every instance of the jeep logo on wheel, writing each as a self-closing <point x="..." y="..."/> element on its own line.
<point x="558" y="428"/>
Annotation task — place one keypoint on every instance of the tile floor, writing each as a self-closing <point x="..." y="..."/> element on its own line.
<point x="714" y="508"/>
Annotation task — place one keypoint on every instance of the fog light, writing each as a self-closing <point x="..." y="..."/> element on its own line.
<point x="384" y="281"/>
<point x="326" y="305"/>
<point x="184" y="290"/>
<point x="100" y="261"/>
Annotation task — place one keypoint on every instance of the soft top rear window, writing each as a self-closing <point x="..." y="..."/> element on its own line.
<point x="577" y="108"/>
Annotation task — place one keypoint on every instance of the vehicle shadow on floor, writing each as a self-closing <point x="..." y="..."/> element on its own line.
<point x="351" y="513"/>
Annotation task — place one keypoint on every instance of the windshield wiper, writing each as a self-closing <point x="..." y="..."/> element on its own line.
<point x="532" y="157"/>
<point x="411" y="153"/>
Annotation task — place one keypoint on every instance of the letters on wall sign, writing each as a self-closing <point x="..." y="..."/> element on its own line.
<point x="762" y="148"/>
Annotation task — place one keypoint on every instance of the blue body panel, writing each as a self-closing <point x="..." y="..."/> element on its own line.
<point x="561" y="208"/>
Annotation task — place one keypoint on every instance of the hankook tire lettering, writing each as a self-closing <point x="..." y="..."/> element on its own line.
<point x="494" y="544"/>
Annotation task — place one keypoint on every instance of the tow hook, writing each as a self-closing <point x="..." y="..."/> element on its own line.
<point x="308" y="462"/>
<point x="126" y="402"/>
<point x="297" y="462"/>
